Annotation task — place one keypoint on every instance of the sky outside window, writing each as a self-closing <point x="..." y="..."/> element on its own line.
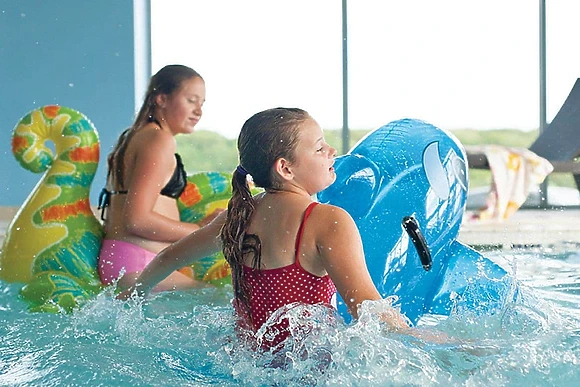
<point x="457" y="64"/>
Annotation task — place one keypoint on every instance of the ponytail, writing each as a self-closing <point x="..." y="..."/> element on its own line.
<point x="237" y="243"/>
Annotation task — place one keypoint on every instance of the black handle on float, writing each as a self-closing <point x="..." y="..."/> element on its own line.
<point x="411" y="225"/>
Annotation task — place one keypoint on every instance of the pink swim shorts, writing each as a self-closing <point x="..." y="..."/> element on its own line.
<point x="118" y="256"/>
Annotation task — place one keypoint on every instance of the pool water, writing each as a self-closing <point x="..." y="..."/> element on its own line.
<point x="188" y="339"/>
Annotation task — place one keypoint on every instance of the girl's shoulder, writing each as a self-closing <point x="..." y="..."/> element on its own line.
<point x="325" y="214"/>
<point x="333" y="226"/>
<point x="151" y="139"/>
<point x="330" y="209"/>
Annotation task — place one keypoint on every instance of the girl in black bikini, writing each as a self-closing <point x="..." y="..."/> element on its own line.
<point x="146" y="176"/>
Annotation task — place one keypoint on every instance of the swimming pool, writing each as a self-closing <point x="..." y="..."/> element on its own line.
<point x="187" y="339"/>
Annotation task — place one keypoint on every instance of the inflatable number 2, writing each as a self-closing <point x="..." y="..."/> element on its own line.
<point x="54" y="239"/>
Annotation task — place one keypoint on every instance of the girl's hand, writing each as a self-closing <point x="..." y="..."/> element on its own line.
<point x="431" y="336"/>
<point x="124" y="295"/>
<point x="129" y="293"/>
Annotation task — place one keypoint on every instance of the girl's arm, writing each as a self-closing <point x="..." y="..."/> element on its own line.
<point x="153" y="165"/>
<point x="340" y="247"/>
<point x="184" y="252"/>
<point x="341" y="250"/>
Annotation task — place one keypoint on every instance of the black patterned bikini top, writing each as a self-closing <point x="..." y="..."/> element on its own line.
<point x="173" y="189"/>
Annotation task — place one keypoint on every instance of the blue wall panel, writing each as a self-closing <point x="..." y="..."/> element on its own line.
<point x="72" y="53"/>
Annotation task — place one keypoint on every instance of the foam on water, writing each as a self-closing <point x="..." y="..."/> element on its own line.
<point x="188" y="339"/>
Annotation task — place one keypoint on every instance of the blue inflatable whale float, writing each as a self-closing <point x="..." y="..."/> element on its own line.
<point x="405" y="185"/>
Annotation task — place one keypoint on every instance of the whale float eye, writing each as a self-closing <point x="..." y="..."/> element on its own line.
<point x="459" y="170"/>
<point x="435" y="171"/>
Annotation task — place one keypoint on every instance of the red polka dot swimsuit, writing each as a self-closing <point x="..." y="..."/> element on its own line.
<point x="270" y="289"/>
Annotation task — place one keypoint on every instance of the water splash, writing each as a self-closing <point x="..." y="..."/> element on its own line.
<point x="189" y="338"/>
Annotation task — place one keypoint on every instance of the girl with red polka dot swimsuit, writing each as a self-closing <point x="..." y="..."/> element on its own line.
<point x="272" y="289"/>
<point x="282" y="246"/>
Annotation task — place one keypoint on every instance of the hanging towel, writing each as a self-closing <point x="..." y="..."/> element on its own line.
<point x="514" y="171"/>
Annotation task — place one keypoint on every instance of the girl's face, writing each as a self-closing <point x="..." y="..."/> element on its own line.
<point x="313" y="168"/>
<point x="182" y="109"/>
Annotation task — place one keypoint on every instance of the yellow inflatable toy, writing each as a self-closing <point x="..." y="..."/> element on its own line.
<point x="53" y="242"/>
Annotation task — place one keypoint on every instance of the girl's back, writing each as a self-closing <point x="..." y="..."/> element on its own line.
<point x="146" y="147"/>
<point x="286" y="276"/>
<point x="276" y="221"/>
